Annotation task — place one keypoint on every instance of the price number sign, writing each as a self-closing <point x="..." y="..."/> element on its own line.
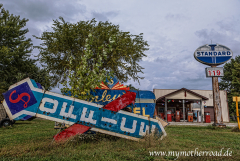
<point x="214" y="72"/>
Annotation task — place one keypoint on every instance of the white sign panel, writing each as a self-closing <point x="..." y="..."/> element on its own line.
<point x="214" y="72"/>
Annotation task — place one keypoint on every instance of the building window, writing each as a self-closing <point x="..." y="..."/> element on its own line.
<point x="196" y="105"/>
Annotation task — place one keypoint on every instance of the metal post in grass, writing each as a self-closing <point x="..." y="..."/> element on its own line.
<point x="149" y="130"/>
<point x="236" y="100"/>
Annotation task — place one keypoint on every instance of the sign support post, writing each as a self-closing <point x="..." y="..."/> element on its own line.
<point x="218" y="121"/>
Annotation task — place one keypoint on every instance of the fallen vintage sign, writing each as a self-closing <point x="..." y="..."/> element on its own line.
<point x="112" y="94"/>
<point x="25" y="98"/>
<point x="114" y="106"/>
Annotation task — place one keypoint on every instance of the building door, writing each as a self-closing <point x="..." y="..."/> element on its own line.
<point x="211" y="110"/>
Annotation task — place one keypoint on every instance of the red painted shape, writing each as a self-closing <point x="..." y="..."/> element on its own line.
<point x="116" y="105"/>
<point x="71" y="131"/>
<point x="118" y="86"/>
<point x="121" y="102"/>
<point x="20" y="98"/>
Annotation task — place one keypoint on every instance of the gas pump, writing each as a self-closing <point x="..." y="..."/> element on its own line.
<point x="169" y="116"/>
<point x="177" y="116"/>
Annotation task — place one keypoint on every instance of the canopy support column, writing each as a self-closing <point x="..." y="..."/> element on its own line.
<point x="201" y="113"/>
<point x="183" y="110"/>
<point x="166" y="109"/>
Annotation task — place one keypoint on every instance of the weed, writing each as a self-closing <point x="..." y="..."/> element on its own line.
<point x="235" y="129"/>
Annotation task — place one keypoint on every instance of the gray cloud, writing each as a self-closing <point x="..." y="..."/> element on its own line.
<point x="42" y="10"/>
<point x="208" y="35"/>
<point x="161" y="60"/>
<point x="227" y="35"/>
<point x="229" y="24"/>
<point x="104" y="16"/>
<point x="177" y="17"/>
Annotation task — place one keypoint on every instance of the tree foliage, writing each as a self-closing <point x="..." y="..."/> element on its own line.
<point x="87" y="52"/>
<point x="231" y="81"/>
<point x="81" y="87"/>
<point x="132" y="87"/>
<point x="15" y="50"/>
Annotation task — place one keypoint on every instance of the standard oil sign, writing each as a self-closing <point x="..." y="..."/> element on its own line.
<point x="213" y="54"/>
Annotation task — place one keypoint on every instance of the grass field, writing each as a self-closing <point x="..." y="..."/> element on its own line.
<point x="33" y="140"/>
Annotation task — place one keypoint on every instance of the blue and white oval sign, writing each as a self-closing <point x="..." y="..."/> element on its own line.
<point x="213" y="54"/>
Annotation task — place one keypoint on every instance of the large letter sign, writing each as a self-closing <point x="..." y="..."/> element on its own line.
<point x="30" y="100"/>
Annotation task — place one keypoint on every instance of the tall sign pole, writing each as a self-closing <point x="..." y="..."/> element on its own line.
<point x="214" y="55"/>
<point x="218" y="121"/>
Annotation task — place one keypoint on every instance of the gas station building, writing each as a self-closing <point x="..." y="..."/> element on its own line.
<point x="186" y="101"/>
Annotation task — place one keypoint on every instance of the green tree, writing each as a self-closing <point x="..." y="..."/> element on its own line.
<point x="132" y="87"/>
<point x="231" y="82"/>
<point x="86" y="53"/>
<point x="15" y="50"/>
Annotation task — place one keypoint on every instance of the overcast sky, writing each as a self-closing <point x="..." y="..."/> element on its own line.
<point x="174" y="29"/>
